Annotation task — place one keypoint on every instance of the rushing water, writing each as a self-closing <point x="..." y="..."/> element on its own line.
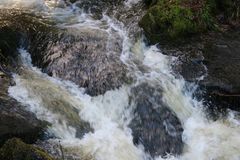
<point x="110" y="114"/>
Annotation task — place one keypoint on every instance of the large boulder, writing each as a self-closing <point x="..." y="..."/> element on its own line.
<point x="85" y="56"/>
<point x="89" y="57"/>
<point x="155" y="126"/>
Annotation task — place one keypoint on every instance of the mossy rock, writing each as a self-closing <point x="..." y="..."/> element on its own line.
<point x="177" y="19"/>
<point x="15" y="149"/>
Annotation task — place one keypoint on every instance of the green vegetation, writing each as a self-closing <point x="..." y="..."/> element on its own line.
<point x="176" y="19"/>
<point x="15" y="149"/>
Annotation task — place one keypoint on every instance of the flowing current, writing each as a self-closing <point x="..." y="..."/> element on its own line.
<point x="110" y="114"/>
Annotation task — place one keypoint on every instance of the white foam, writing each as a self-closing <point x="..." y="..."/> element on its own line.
<point x="211" y="140"/>
<point x="110" y="114"/>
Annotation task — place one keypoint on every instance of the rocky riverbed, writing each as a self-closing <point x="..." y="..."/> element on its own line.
<point x="83" y="80"/>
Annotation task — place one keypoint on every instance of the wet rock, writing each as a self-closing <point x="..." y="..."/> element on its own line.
<point x="127" y="12"/>
<point x="130" y="16"/>
<point x="222" y="60"/>
<point x="216" y="57"/>
<point x="222" y="57"/>
<point x="154" y="125"/>
<point x="15" y="121"/>
<point x="22" y="34"/>
<point x="53" y="148"/>
<point x="88" y="57"/>
<point x="59" y="151"/>
<point x="98" y="7"/>
<point x="85" y="56"/>
<point x="190" y="59"/>
<point x="15" y="149"/>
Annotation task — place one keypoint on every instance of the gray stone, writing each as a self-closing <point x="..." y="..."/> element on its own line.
<point x="155" y="126"/>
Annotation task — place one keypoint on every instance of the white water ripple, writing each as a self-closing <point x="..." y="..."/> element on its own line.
<point x="110" y="114"/>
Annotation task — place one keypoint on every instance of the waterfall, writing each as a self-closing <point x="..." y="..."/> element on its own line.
<point x="65" y="105"/>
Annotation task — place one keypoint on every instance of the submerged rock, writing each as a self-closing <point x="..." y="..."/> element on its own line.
<point x="15" y="149"/>
<point x="56" y="100"/>
<point x="155" y="126"/>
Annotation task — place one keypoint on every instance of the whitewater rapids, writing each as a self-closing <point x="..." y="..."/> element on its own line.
<point x="110" y="114"/>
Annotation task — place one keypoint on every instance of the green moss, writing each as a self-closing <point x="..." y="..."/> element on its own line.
<point x="177" y="19"/>
<point x="15" y="149"/>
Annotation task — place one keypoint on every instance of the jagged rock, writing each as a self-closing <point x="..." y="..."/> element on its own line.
<point x="155" y="126"/>
<point x="82" y="56"/>
<point x="88" y="57"/>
